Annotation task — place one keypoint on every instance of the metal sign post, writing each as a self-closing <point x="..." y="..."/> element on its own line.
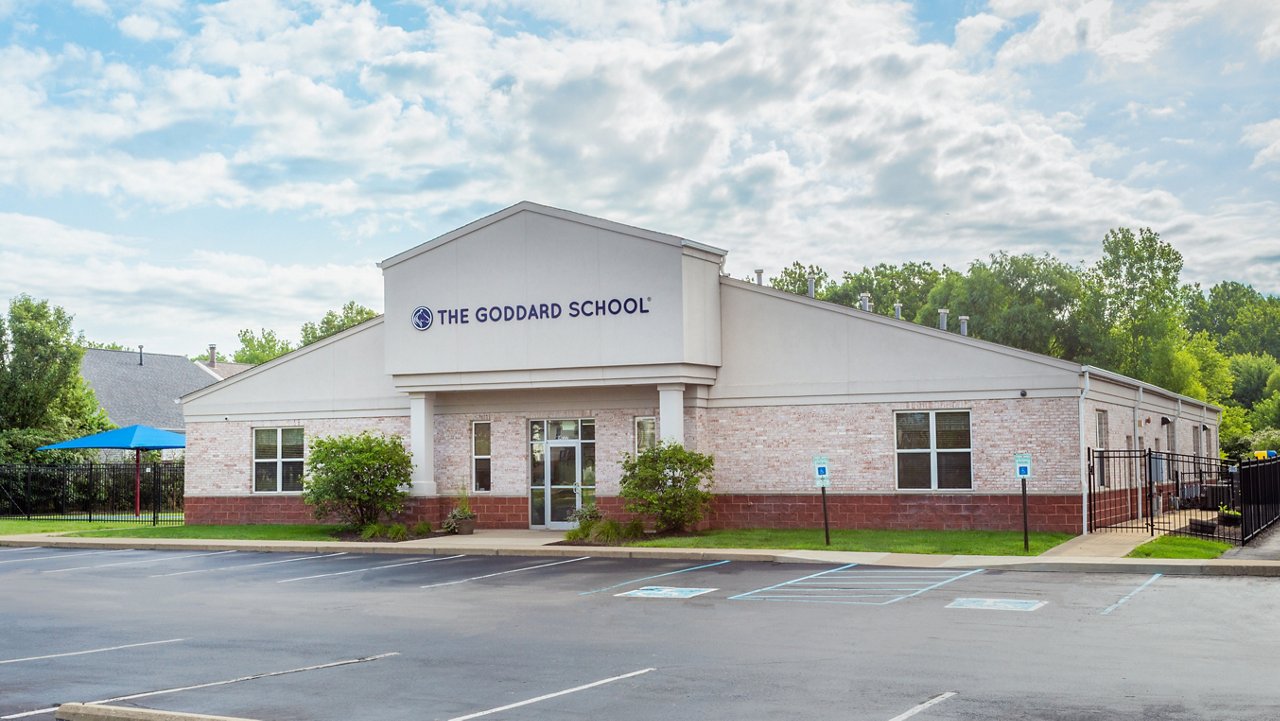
<point x="822" y="480"/>
<point x="1022" y="469"/>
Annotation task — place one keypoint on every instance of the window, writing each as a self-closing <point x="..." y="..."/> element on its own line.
<point x="1171" y="436"/>
<point x="1103" y="430"/>
<point x="933" y="450"/>
<point x="1195" y="442"/>
<point x="646" y="433"/>
<point x="277" y="460"/>
<point x="480" y="458"/>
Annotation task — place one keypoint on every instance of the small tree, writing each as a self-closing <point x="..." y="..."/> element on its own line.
<point x="669" y="484"/>
<point x="359" y="479"/>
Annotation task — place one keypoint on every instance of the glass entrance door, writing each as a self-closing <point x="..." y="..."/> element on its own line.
<point x="562" y="470"/>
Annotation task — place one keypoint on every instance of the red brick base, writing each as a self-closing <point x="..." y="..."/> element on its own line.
<point x="899" y="511"/>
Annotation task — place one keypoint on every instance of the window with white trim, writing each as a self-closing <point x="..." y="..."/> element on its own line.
<point x="933" y="450"/>
<point x="277" y="460"/>
<point x="481" y="480"/>
<point x="646" y="433"/>
<point x="1103" y="430"/>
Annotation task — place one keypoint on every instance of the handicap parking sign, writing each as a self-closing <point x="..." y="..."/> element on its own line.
<point x="665" y="592"/>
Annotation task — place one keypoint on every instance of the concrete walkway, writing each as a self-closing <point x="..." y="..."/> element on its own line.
<point x="1103" y="552"/>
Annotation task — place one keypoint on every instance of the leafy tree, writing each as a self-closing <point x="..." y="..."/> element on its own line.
<point x="1216" y="314"/>
<point x="1233" y="431"/>
<point x="1273" y="383"/>
<point x="908" y="284"/>
<point x="1256" y="328"/>
<point x="795" y="279"/>
<point x="261" y="347"/>
<point x="1213" y="380"/>
<point x="219" y="355"/>
<point x="1267" y="439"/>
<point x="99" y="345"/>
<point x="1265" y="413"/>
<point x="359" y="479"/>
<point x="333" y="322"/>
<point x="668" y="483"/>
<point x="1250" y="371"/>
<point x="39" y="363"/>
<point x="1024" y="301"/>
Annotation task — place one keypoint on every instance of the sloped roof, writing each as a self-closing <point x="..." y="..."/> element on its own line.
<point x="223" y="370"/>
<point x="145" y="394"/>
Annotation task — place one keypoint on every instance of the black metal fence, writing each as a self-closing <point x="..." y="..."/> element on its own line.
<point x="93" y="492"/>
<point x="1153" y="491"/>
<point x="1259" y="496"/>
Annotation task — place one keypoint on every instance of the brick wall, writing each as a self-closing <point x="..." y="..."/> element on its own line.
<point x="897" y="511"/>
<point x="265" y="508"/>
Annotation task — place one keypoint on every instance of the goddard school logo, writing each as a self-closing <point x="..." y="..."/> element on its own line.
<point x="422" y="317"/>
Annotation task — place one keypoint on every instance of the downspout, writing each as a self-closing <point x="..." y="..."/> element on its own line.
<point x="1177" y="447"/>
<point x="1137" y="445"/>
<point x="1084" y="462"/>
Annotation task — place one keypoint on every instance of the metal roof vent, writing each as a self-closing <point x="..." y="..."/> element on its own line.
<point x="964" y="325"/>
<point x="942" y="318"/>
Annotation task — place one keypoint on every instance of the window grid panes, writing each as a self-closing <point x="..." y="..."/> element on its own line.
<point x="278" y="460"/>
<point x="481" y="480"/>
<point x="934" y="450"/>
<point x="542" y="433"/>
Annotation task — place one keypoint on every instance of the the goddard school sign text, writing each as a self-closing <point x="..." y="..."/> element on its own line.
<point x="424" y="317"/>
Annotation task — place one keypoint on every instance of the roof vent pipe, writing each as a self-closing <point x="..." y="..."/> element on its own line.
<point x="864" y="301"/>
<point x="964" y="325"/>
<point x="213" y="355"/>
<point x="942" y="318"/>
<point x="759" y="276"/>
<point x="139" y="355"/>
<point x="897" y="311"/>
<point x="812" y="279"/>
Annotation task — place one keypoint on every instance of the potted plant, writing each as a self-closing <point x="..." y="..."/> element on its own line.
<point x="1228" y="516"/>
<point x="461" y="519"/>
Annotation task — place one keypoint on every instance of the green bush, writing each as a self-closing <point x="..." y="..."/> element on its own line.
<point x="372" y="531"/>
<point x="607" y="531"/>
<point x="421" y="528"/>
<point x="669" y="484"/>
<point x="397" y="532"/>
<point x="358" y="479"/>
<point x="633" y="529"/>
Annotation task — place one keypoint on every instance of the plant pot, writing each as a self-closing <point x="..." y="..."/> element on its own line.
<point x="1226" y="519"/>
<point x="464" y="526"/>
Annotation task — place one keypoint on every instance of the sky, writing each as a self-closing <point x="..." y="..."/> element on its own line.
<point x="171" y="173"/>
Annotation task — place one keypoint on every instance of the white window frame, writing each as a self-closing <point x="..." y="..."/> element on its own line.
<point x="932" y="450"/>
<point x="1103" y="431"/>
<point x="279" y="459"/>
<point x="477" y="457"/>
<point x="635" y="426"/>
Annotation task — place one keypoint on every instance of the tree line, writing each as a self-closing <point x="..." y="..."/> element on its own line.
<point x="1129" y="312"/>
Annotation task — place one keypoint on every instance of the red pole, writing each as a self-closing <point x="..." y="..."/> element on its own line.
<point x="137" y="482"/>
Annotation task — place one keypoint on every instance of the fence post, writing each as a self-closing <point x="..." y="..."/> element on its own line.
<point x="155" y="493"/>
<point x="1151" y="492"/>
<point x="92" y="494"/>
<point x="26" y="492"/>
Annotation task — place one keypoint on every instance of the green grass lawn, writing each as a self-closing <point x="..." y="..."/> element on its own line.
<point x="14" y="527"/>
<point x="970" y="543"/>
<point x="1179" y="547"/>
<point x="249" y="532"/>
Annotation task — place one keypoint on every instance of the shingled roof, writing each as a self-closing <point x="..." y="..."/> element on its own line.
<point x="142" y="394"/>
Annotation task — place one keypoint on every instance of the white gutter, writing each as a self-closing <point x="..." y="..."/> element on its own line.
<point x="1084" y="462"/>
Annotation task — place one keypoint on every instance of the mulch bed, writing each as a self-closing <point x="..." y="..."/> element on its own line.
<point x="355" y="536"/>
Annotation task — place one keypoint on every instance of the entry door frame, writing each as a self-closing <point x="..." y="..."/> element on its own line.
<point x="548" y="464"/>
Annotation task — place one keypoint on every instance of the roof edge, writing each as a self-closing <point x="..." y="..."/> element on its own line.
<point x="1135" y="383"/>
<point x="530" y="206"/>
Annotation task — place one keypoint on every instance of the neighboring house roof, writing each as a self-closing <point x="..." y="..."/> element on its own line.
<point x="145" y="394"/>
<point x="223" y="370"/>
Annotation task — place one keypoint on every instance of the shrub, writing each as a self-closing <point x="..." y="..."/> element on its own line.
<point x="633" y="529"/>
<point x="607" y="531"/>
<point x="421" y="528"/>
<point x="397" y="532"/>
<point x="581" y="533"/>
<point x="669" y="484"/>
<point x="359" y="479"/>
<point x="461" y="511"/>
<point x="372" y="531"/>
<point x="588" y="512"/>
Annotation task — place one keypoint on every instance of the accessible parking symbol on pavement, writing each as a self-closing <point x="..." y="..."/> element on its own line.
<point x="664" y="592"/>
<point x="997" y="604"/>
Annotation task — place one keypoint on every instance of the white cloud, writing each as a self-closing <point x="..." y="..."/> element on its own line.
<point x="1267" y="137"/>
<point x="147" y="28"/>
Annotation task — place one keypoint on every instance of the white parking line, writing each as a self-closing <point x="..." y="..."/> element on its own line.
<point x="136" y="563"/>
<point x="247" y="565"/>
<point x="60" y="555"/>
<point x="867" y="587"/>
<point x="370" y="568"/>
<point x="1132" y="593"/>
<point x="92" y="650"/>
<point x="648" y="578"/>
<point x="22" y="548"/>
<point x="130" y="697"/>
<point x="575" y="689"/>
<point x="917" y="709"/>
<point x="503" y="573"/>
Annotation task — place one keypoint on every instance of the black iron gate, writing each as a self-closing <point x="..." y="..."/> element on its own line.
<point x="1149" y="491"/>
<point x="1259" y="496"/>
<point x="93" y="492"/>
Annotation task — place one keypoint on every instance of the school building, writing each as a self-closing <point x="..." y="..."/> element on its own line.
<point x="521" y="355"/>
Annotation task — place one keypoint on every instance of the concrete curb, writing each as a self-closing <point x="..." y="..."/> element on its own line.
<point x="93" y="712"/>
<point x="1171" y="567"/>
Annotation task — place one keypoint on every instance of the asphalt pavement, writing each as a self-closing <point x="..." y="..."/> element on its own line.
<point x="339" y="635"/>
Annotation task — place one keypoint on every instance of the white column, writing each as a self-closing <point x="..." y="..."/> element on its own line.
<point x="671" y="412"/>
<point x="422" y="426"/>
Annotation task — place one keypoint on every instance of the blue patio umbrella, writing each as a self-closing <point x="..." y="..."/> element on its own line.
<point x="135" y="438"/>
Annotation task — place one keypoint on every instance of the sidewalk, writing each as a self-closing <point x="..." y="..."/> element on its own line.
<point x="1102" y="552"/>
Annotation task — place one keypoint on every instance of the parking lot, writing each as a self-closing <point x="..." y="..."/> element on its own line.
<point x="347" y="636"/>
